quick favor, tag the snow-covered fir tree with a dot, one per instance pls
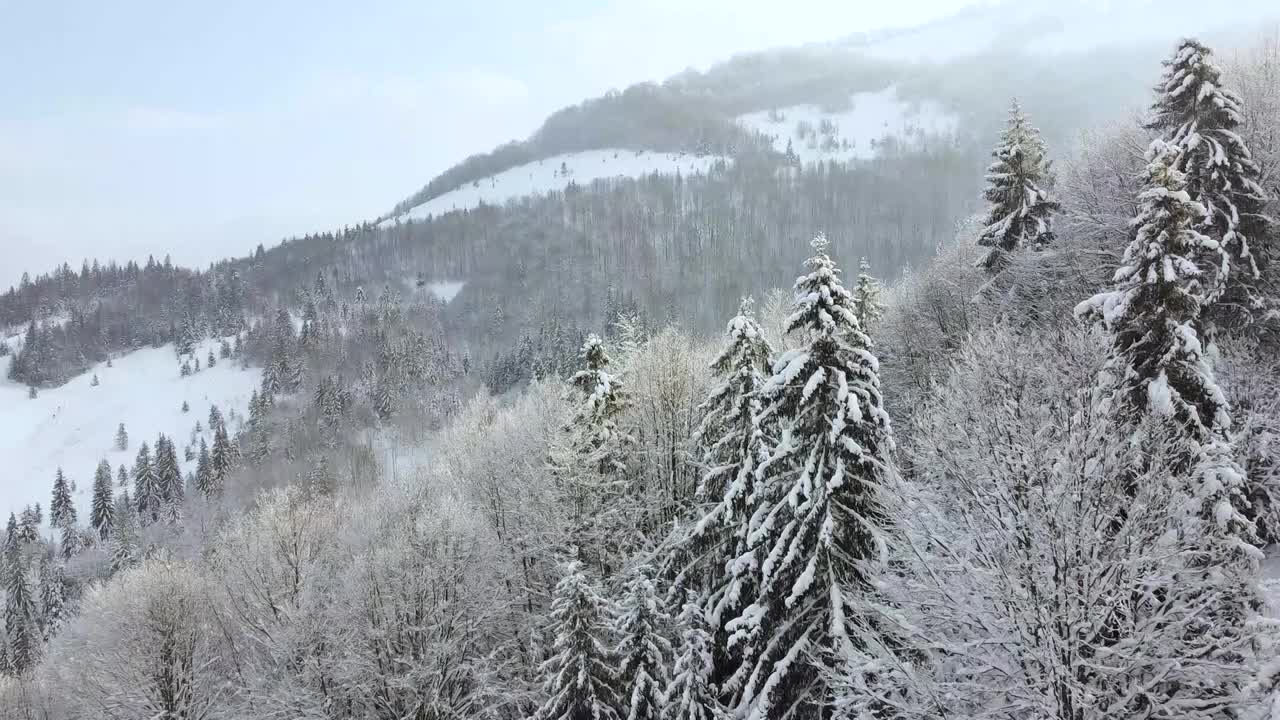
(692, 694)
(53, 597)
(169, 478)
(1196, 112)
(122, 477)
(20, 611)
(642, 649)
(590, 461)
(732, 446)
(1159, 363)
(821, 530)
(146, 487)
(122, 438)
(1020, 213)
(1160, 376)
(580, 681)
(62, 511)
(868, 304)
(125, 545)
(102, 508)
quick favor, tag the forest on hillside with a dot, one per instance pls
(620, 476)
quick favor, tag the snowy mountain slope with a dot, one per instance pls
(555, 173)
(74, 426)
(816, 135)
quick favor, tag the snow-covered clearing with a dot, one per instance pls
(555, 173)
(854, 133)
(74, 426)
(446, 291)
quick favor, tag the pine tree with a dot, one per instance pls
(146, 487)
(102, 512)
(732, 447)
(53, 598)
(1159, 375)
(62, 511)
(590, 461)
(867, 303)
(1196, 112)
(692, 694)
(579, 679)
(642, 650)
(29, 528)
(122, 438)
(821, 532)
(168, 478)
(20, 617)
(202, 467)
(126, 540)
(221, 459)
(1021, 212)
(122, 478)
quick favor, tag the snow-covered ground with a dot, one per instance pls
(446, 291)
(556, 173)
(854, 133)
(74, 426)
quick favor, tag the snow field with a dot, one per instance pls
(852, 134)
(555, 173)
(74, 426)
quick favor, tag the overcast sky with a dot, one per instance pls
(202, 129)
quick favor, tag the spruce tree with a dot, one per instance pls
(732, 446)
(867, 303)
(590, 461)
(1196, 112)
(642, 650)
(692, 694)
(820, 499)
(122, 478)
(53, 598)
(20, 618)
(168, 478)
(126, 540)
(202, 467)
(221, 459)
(580, 682)
(62, 511)
(102, 511)
(146, 487)
(122, 438)
(1159, 384)
(1020, 213)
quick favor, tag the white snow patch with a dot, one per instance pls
(74, 426)
(555, 173)
(853, 134)
(446, 291)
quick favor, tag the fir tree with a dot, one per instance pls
(20, 617)
(168, 477)
(126, 540)
(146, 487)
(1021, 212)
(642, 650)
(62, 511)
(867, 303)
(692, 694)
(29, 528)
(202, 467)
(1196, 112)
(221, 459)
(102, 512)
(820, 531)
(122, 477)
(580, 682)
(1159, 375)
(591, 461)
(53, 597)
(732, 447)
(122, 438)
